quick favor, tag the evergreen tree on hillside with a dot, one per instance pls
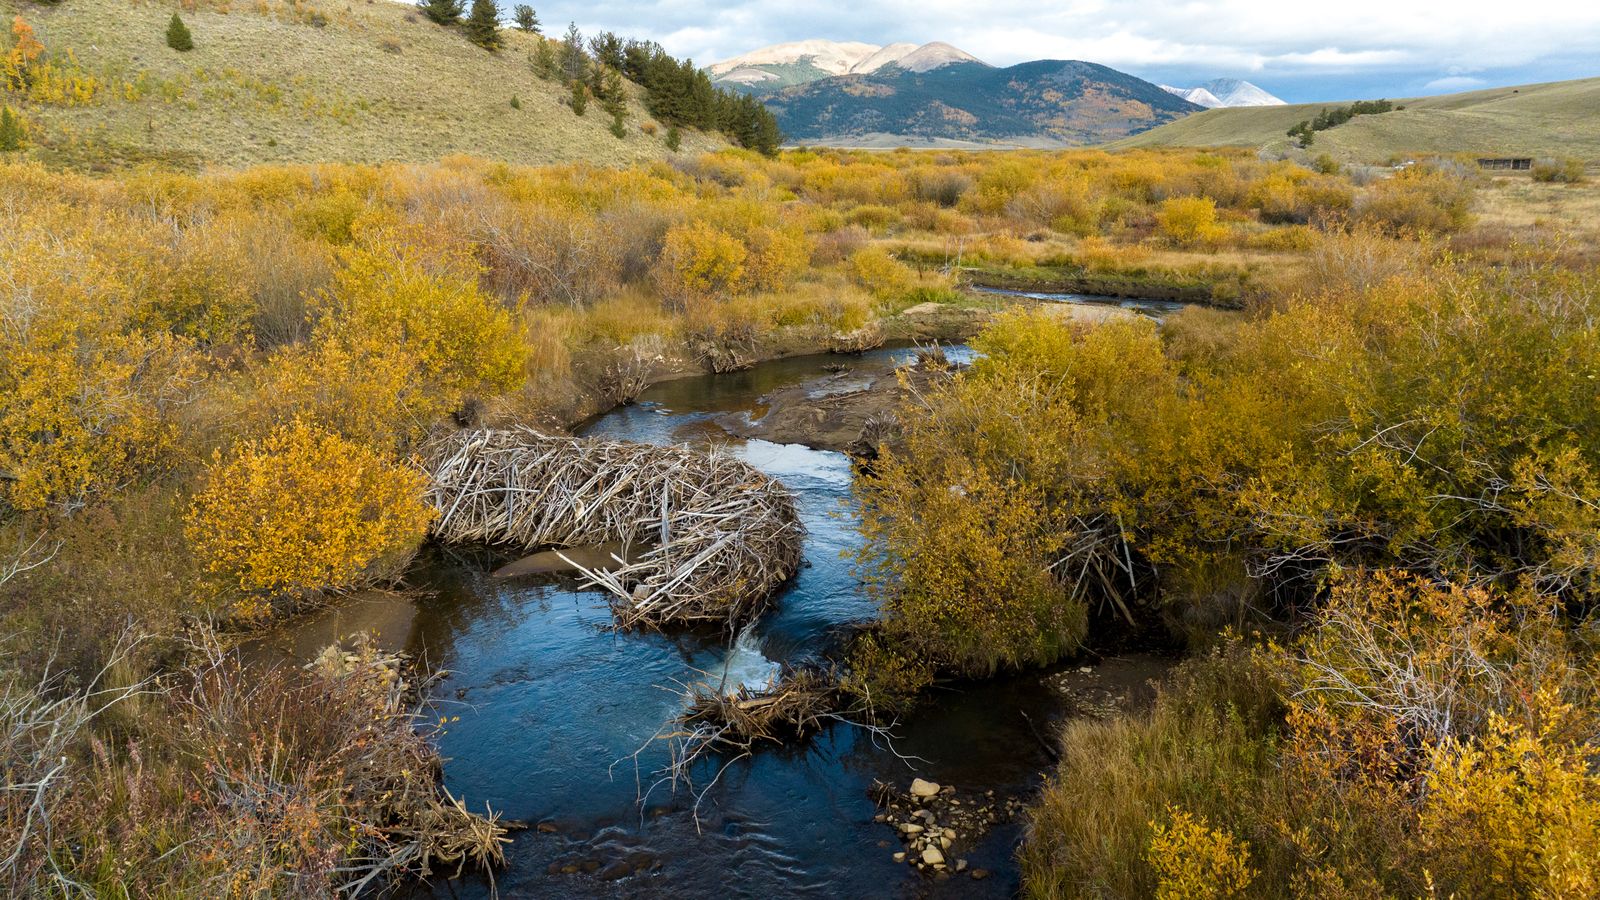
(580, 97)
(178, 36)
(607, 49)
(674, 139)
(545, 64)
(573, 59)
(613, 97)
(442, 12)
(526, 18)
(483, 25)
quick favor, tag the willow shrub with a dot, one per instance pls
(1417, 740)
(302, 513)
(997, 478)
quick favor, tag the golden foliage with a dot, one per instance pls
(1194, 861)
(304, 512)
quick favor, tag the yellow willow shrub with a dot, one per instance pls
(997, 184)
(1190, 221)
(776, 257)
(90, 402)
(303, 512)
(966, 583)
(1194, 861)
(1516, 812)
(699, 262)
(1428, 197)
(396, 347)
(881, 274)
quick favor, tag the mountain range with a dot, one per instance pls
(860, 94)
(780, 66)
(1221, 93)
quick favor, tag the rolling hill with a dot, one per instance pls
(1559, 118)
(958, 102)
(305, 81)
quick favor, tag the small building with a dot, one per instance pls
(1515, 163)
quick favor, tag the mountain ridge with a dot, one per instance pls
(1037, 103)
(779, 66)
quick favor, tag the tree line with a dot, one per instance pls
(1305, 130)
(677, 92)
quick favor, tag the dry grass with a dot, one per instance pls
(374, 82)
(1553, 119)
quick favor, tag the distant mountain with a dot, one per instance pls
(780, 66)
(1225, 92)
(940, 94)
(1198, 96)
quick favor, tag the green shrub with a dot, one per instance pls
(1561, 171)
(178, 36)
(580, 98)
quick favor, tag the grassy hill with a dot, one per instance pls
(1040, 103)
(304, 81)
(1559, 118)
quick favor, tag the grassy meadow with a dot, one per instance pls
(278, 81)
(1554, 119)
(218, 385)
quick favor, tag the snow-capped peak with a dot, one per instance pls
(1237, 92)
(1198, 96)
(833, 57)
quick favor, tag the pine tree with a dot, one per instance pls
(483, 25)
(442, 12)
(573, 59)
(11, 133)
(545, 64)
(178, 36)
(515, 103)
(580, 97)
(613, 98)
(674, 139)
(526, 18)
(617, 128)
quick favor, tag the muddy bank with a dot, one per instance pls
(852, 410)
(594, 388)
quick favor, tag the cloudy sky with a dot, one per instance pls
(1302, 51)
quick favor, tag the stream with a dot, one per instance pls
(549, 706)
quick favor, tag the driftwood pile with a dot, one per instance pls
(717, 536)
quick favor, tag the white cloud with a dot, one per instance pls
(1453, 83)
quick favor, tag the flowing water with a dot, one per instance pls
(1155, 309)
(548, 707)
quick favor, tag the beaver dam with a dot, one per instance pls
(704, 536)
(553, 708)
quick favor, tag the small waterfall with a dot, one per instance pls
(746, 666)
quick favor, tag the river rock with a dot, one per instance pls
(911, 828)
(900, 857)
(920, 788)
(931, 856)
(961, 865)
